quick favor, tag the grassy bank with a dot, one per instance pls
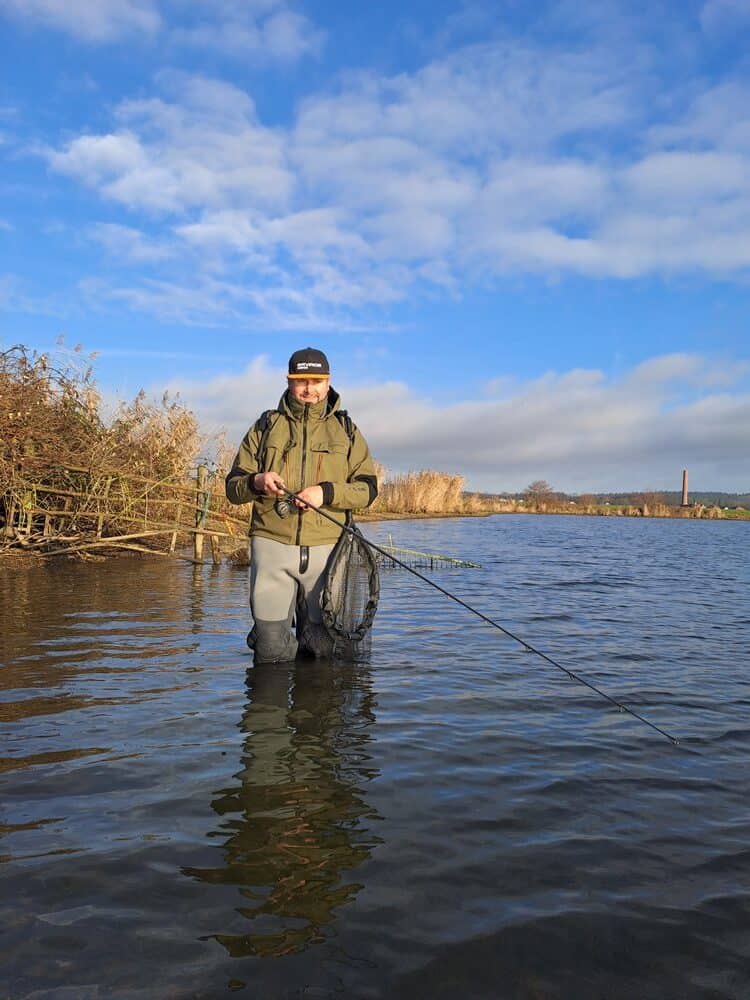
(692, 512)
(472, 509)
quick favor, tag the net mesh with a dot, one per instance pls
(350, 596)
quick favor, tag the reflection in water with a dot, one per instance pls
(294, 825)
(532, 844)
(196, 610)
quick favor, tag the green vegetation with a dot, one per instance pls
(633, 498)
(738, 514)
(540, 498)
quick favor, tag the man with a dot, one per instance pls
(310, 447)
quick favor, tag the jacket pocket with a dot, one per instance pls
(329, 461)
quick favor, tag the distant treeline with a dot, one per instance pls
(711, 498)
(671, 498)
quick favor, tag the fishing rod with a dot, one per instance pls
(572, 675)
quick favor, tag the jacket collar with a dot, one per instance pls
(315, 411)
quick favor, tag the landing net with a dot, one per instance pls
(350, 596)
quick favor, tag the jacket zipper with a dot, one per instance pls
(300, 512)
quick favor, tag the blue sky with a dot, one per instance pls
(520, 231)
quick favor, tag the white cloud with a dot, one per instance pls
(207, 303)
(15, 298)
(719, 17)
(205, 151)
(90, 20)
(287, 35)
(689, 369)
(679, 179)
(271, 31)
(500, 96)
(576, 429)
(213, 302)
(717, 119)
(125, 243)
(666, 368)
(96, 159)
(494, 160)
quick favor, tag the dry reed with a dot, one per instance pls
(68, 476)
(425, 492)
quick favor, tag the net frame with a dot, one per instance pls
(350, 558)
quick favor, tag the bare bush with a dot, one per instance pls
(66, 472)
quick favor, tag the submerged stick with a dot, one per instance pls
(532, 649)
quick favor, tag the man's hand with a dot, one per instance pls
(269, 483)
(312, 495)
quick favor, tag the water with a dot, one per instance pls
(456, 818)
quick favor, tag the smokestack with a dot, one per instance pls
(685, 488)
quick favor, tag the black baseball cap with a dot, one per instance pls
(308, 363)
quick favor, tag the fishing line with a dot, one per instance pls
(501, 628)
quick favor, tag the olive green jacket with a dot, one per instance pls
(307, 446)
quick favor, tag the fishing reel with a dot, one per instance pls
(284, 506)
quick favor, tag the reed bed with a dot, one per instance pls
(73, 480)
(425, 492)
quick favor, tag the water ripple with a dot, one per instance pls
(456, 817)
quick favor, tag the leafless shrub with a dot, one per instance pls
(66, 472)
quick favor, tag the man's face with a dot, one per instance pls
(308, 390)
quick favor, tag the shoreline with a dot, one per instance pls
(13, 557)
(399, 516)
(688, 515)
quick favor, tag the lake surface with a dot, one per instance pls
(454, 819)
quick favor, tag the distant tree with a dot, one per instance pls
(538, 492)
(649, 498)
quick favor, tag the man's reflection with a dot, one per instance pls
(296, 823)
